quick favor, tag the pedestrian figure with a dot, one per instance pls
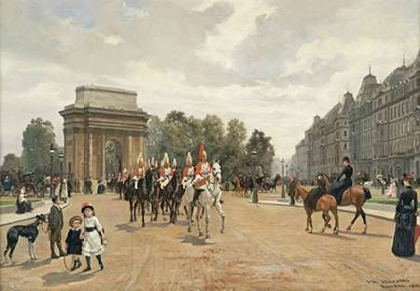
(69, 186)
(406, 221)
(74, 242)
(93, 236)
(23, 205)
(55, 224)
(88, 185)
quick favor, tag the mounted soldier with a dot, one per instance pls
(165, 172)
(188, 172)
(139, 170)
(202, 173)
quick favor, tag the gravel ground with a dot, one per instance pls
(263, 248)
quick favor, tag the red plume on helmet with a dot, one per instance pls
(201, 151)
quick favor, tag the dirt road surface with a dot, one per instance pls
(263, 248)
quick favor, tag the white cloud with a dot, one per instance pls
(227, 36)
(273, 64)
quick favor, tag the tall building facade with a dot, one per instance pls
(379, 130)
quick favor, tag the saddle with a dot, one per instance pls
(337, 190)
(313, 197)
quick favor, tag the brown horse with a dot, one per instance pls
(357, 196)
(325, 203)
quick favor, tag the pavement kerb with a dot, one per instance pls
(385, 215)
(32, 216)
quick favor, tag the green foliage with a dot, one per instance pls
(37, 139)
(265, 150)
(178, 134)
(11, 163)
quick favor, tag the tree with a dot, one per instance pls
(154, 137)
(37, 140)
(213, 132)
(11, 163)
(265, 150)
(234, 148)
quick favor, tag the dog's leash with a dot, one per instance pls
(43, 229)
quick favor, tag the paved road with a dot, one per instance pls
(264, 248)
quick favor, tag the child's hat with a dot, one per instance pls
(87, 205)
(75, 218)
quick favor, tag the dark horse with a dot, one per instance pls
(145, 194)
(131, 197)
(168, 196)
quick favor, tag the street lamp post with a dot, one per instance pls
(283, 180)
(254, 181)
(61, 156)
(52, 151)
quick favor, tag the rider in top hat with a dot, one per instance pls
(188, 172)
(345, 183)
(202, 173)
(165, 172)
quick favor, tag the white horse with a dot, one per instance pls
(209, 197)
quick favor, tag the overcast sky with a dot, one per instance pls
(273, 64)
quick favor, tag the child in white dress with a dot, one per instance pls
(93, 236)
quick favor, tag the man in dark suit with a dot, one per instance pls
(55, 220)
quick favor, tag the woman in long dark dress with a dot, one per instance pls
(406, 221)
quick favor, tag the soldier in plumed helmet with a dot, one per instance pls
(202, 173)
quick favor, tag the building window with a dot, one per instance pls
(345, 146)
(345, 133)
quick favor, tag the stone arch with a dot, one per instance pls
(99, 115)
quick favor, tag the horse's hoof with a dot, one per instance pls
(221, 231)
(336, 232)
(329, 225)
(144, 224)
(200, 234)
(189, 229)
(348, 228)
(208, 235)
(364, 232)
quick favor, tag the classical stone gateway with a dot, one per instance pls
(104, 132)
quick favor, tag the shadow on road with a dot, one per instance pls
(415, 258)
(56, 278)
(368, 234)
(29, 265)
(26, 265)
(196, 241)
(128, 228)
(330, 235)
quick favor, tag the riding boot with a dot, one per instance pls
(99, 258)
(88, 268)
(62, 253)
(53, 254)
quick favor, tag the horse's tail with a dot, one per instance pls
(368, 195)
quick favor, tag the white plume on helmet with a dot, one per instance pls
(140, 159)
(189, 158)
(166, 159)
(174, 163)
